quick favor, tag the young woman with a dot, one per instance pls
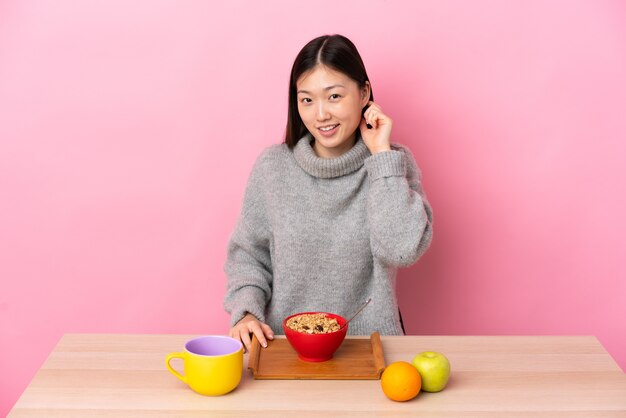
(329, 215)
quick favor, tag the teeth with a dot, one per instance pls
(328, 128)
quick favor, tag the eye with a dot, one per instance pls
(334, 96)
(305, 100)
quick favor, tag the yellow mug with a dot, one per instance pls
(213, 364)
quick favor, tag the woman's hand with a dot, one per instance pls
(249, 324)
(377, 138)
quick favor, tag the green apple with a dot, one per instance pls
(434, 368)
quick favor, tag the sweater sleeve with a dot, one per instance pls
(248, 264)
(399, 215)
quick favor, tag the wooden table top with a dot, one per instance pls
(492, 376)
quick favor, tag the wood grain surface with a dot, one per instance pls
(492, 376)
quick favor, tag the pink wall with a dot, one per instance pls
(128, 129)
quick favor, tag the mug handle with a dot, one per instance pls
(171, 356)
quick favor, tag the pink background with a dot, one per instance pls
(128, 130)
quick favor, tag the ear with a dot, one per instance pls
(365, 93)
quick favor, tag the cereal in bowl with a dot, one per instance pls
(317, 323)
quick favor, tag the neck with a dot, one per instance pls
(327, 168)
(334, 152)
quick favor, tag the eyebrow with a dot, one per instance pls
(325, 88)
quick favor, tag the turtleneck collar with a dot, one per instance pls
(327, 168)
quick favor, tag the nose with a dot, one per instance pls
(322, 112)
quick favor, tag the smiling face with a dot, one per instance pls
(330, 105)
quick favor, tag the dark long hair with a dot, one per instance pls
(334, 51)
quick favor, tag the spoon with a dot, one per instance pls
(357, 312)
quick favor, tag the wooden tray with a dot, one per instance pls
(357, 358)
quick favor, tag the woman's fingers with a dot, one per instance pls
(374, 119)
(255, 328)
(267, 330)
(376, 128)
(372, 114)
(244, 335)
(248, 326)
(363, 125)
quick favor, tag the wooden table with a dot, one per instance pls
(125, 376)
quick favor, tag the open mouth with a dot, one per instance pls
(328, 130)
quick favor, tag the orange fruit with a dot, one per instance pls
(401, 381)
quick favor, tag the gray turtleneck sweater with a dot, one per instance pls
(325, 235)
